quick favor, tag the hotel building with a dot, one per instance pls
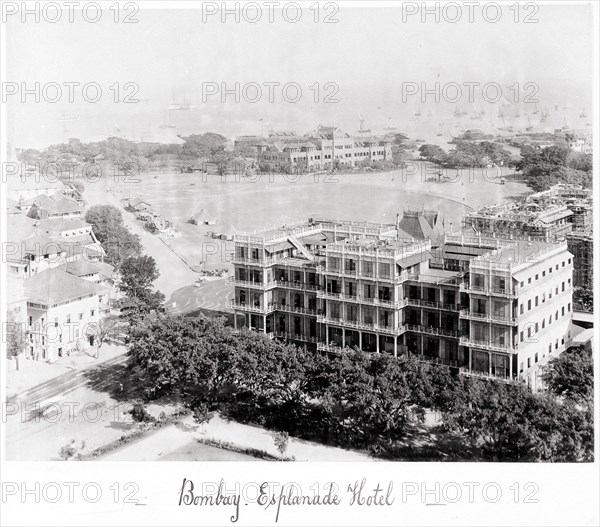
(487, 307)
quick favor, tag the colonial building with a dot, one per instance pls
(484, 306)
(321, 149)
(62, 314)
(36, 245)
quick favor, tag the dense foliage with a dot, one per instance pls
(137, 275)
(117, 240)
(466, 154)
(545, 167)
(353, 399)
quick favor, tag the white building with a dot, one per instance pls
(62, 314)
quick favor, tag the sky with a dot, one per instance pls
(363, 63)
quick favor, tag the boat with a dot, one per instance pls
(529, 127)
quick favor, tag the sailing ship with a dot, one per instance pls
(529, 126)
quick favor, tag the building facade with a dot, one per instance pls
(484, 306)
(321, 150)
(62, 314)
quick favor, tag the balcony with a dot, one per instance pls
(440, 360)
(488, 317)
(357, 275)
(416, 302)
(430, 330)
(367, 326)
(487, 345)
(290, 335)
(232, 280)
(504, 377)
(232, 304)
(486, 290)
(300, 286)
(358, 299)
(259, 262)
(288, 308)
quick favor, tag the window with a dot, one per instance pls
(537, 327)
(556, 316)
(521, 368)
(543, 297)
(537, 276)
(536, 356)
(569, 261)
(521, 284)
(563, 264)
(543, 273)
(529, 305)
(556, 344)
(529, 362)
(529, 332)
(550, 270)
(562, 311)
(562, 340)
(30, 320)
(543, 323)
(569, 306)
(521, 309)
(80, 316)
(529, 280)
(537, 301)
(557, 267)
(563, 287)
(92, 311)
(549, 348)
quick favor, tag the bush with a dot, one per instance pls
(140, 414)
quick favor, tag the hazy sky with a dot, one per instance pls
(368, 54)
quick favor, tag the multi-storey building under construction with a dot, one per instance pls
(489, 307)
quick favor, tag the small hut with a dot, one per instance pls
(202, 217)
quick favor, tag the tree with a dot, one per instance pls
(571, 375)
(136, 278)
(16, 338)
(544, 167)
(433, 153)
(281, 441)
(583, 297)
(118, 242)
(102, 330)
